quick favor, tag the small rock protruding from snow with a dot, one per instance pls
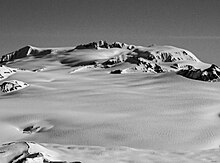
(12, 86)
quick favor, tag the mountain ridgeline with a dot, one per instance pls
(121, 58)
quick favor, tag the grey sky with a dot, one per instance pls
(190, 24)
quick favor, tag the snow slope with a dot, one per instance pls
(101, 102)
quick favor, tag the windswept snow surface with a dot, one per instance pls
(155, 100)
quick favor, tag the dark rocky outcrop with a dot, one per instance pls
(151, 67)
(115, 60)
(141, 65)
(12, 86)
(210, 74)
(93, 45)
(167, 57)
(31, 129)
(37, 127)
(21, 53)
(175, 66)
(144, 54)
(24, 52)
(104, 44)
(116, 72)
(40, 54)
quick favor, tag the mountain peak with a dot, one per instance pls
(105, 45)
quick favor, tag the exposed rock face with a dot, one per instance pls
(104, 44)
(210, 74)
(37, 127)
(40, 54)
(21, 53)
(12, 86)
(150, 66)
(24, 52)
(115, 60)
(141, 64)
(93, 45)
(116, 72)
(144, 54)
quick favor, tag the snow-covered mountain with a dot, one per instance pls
(122, 58)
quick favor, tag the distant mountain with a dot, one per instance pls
(24, 52)
(122, 58)
(104, 44)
